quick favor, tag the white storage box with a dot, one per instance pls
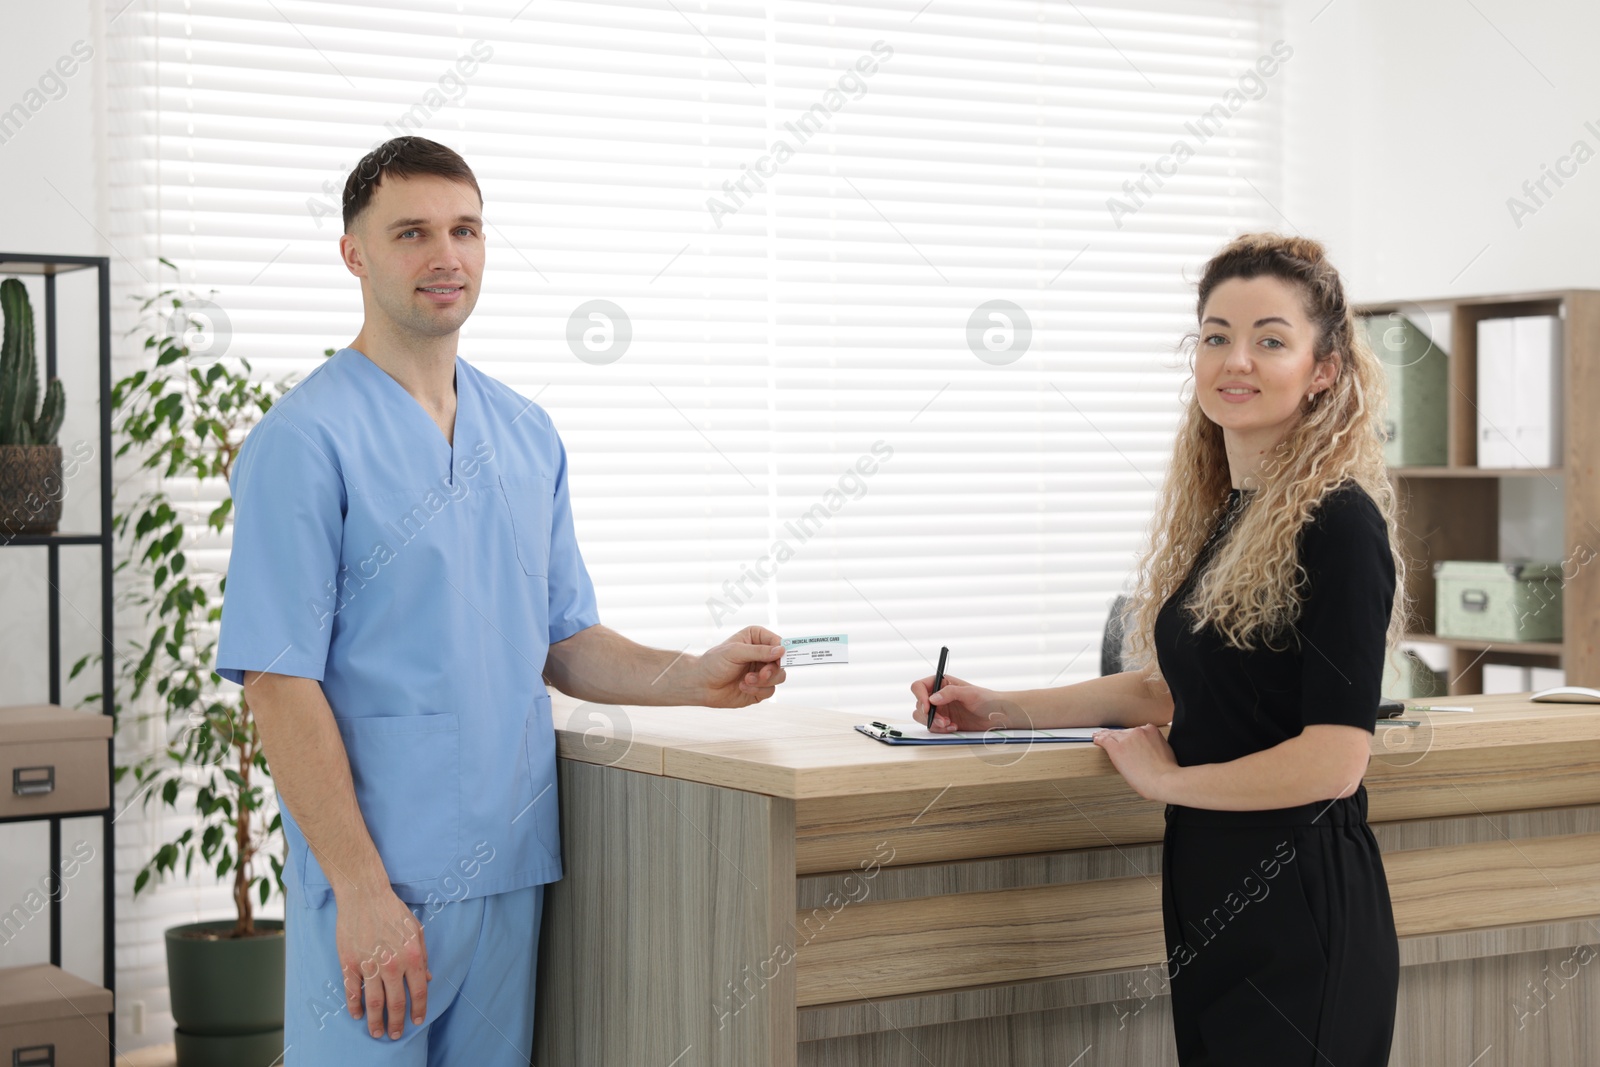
(1506, 678)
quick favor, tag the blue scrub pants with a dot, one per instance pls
(483, 952)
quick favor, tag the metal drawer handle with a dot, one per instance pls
(32, 782)
(34, 1056)
(1475, 600)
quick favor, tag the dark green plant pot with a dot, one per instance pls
(231, 1050)
(227, 994)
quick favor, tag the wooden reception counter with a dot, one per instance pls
(769, 887)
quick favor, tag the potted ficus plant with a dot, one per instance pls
(185, 415)
(30, 460)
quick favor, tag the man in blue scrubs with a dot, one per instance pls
(404, 581)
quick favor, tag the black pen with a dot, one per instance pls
(938, 681)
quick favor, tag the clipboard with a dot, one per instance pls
(890, 736)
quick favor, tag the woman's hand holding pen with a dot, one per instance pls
(1142, 756)
(959, 705)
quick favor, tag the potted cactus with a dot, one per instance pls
(31, 485)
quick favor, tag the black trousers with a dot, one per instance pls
(1280, 937)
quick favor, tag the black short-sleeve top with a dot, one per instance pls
(1328, 668)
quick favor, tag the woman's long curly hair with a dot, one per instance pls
(1253, 588)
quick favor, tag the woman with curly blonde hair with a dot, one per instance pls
(1266, 601)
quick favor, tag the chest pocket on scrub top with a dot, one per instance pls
(529, 500)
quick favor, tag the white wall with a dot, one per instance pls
(1411, 124)
(51, 183)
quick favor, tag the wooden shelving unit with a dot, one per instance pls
(1529, 651)
(1453, 512)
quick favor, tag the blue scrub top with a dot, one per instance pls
(422, 585)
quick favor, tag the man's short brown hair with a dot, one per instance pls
(403, 157)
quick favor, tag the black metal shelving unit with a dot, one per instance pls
(51, 266)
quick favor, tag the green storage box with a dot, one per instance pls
(1498, 601)
(1418, 376)
(1407, 677)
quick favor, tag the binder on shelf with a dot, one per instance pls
(1519, 392)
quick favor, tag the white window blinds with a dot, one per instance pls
(801, 217)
